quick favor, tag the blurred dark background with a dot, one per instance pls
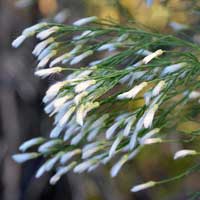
(22, 117)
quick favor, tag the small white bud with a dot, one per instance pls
(194, 95)
(152, 141)
(30, 30)
(156, 91)
(148, 119)
(131, 94)
(183, 153)
(116, 168)
(172, 68)
(144, 186)
(85, 21)
(41, 46)
(46, 33)
(148, 58)
(23, 157)
(80, 57)
(18, 41)
(47, 72)
(78, 98)
(30, 143)
(84, 85)
(67, 116)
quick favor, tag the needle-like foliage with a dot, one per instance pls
(122, 88)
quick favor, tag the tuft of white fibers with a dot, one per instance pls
(82, 86)
(85, 21)
(152, 141)
(56, 131)
(46, 33)
(67, 116)
(158, 88)
(115, 144)
(53, 91)
(83, 110)
(59, 59)
(47, 146)
(32, 29)
(143, 186)
(172, 68)
(153, 55)
(30, 143)
(46, 59)
(131, 94)
(23, 157)
(69, 155)
(183, 153)
(148, 118)
(42, 45)
(116, 168)
(18, 41)
(83, 166)
(194, 95)
(78, 98)
(60, 172)
(49, 108)
(47, 72)
(80, 57)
